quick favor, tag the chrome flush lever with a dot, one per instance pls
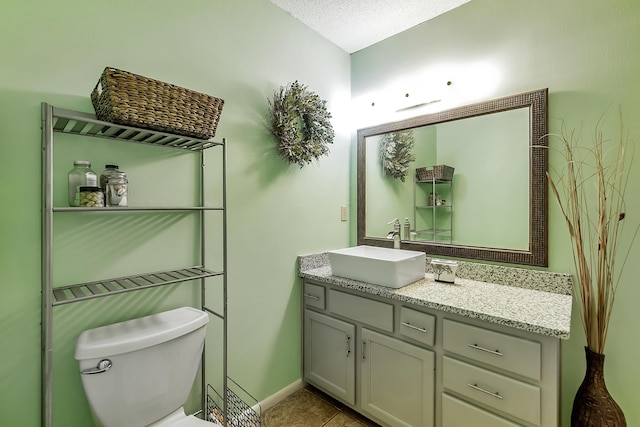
(103, 366)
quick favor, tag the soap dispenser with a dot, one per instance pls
(395, 234)
(407, 229)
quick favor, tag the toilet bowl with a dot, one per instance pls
(139, 372)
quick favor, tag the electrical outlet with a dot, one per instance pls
(344, 212)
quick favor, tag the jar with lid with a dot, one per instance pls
(90, 197)
(80, 175)
(114, 184)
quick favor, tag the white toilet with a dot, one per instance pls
(139, 372)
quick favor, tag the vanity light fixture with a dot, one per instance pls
(422, 104)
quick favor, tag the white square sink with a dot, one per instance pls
(393, 268)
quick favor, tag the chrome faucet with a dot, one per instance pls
(395, 234)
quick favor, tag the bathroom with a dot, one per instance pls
(241, 51)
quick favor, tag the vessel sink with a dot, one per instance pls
(393, 268)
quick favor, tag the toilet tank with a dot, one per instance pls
(154, 361)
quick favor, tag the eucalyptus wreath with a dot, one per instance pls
(300, 121)
(396, 152)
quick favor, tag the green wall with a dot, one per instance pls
(586, 53)
(239, 50)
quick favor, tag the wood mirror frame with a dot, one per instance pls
(536, 255)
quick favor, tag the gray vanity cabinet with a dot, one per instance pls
(404, 365)
(354, 350)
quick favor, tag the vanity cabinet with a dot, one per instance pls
(403, 364)
(352, 353)
(433, 209)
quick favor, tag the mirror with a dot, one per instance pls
(494, 207)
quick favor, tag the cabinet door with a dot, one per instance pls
(329, 359)
(396, 381)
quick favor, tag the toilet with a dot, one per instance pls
(140, 372)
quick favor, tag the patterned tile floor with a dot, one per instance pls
(310, 407)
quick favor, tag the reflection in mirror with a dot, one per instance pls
(493, 208)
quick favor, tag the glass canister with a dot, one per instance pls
(434, 200)
(90, 197)
(80, 175)
(114, 184)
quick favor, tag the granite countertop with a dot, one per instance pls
(537, 301)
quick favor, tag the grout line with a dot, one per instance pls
(329, 420)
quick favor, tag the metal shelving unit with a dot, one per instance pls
(433, 233)
(58, 120)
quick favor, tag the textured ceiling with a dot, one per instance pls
(356, 24)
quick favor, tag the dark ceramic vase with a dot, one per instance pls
(593, 406)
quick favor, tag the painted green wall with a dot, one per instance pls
(586, 53)
(491, 158)
(490, 155)
(239, 50)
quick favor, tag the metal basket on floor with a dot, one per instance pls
(243, 410)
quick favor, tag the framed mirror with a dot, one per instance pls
(491, 203)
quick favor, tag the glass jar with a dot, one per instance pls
(434, 200)
(116, 191)
(80, 175)
(114, 184)
(90, 197)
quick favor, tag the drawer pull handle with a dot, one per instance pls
(475, 387)
(348, 346)
(409, 325)
(486, 350)
(364, 350)
(312, 297)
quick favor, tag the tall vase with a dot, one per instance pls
(593, 406)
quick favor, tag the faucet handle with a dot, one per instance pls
(394, 222)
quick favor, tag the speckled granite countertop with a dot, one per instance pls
(531, 300)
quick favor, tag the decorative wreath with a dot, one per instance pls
(300, 120)
(396, 152)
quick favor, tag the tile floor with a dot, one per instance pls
(309, 407)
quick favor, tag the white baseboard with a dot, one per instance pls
(281, 394)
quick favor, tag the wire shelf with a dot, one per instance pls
(78, 123)
(90, 290)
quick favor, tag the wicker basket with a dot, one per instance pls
(437, 173)
(129, 99)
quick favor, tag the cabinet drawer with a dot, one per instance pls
(313, 295)
(373, 313)
(417, 325)
(494, 390)
(456, 413)
(513, 354)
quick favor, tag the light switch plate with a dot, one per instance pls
(344, 212)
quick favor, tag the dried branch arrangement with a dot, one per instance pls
(590, 190)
